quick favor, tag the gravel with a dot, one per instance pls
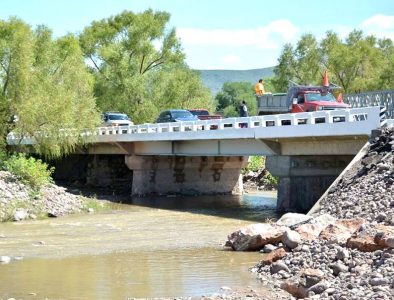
(365, 191)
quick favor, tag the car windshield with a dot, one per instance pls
(181, 114)
(117, 117)
(320, 97)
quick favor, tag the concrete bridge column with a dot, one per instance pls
(186, 174)
(303, 179)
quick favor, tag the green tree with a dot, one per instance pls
(358, 63)
(386, 78)
(355, 64)
(285, 70)
(299, 64)
(45, 83)
(307, 60)
(231, 96)
(138, 65)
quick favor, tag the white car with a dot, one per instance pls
(116, 119)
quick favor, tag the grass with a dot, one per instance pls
(96, 205)
(9, 211)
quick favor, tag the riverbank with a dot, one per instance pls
(19, 202)
(261, 180)
(345, 250)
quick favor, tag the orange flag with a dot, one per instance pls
(325, 79)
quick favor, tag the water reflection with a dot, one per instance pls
(252, 207)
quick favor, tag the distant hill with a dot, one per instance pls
(214, 79)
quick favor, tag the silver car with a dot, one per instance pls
(116, 119)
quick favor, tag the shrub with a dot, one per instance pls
(31, 171)
(272, 180)
(3, 158)
(255, 164)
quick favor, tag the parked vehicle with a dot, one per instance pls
(301, 98)
(203, 114)
(175, 115)
(116, 119)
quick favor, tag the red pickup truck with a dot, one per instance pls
(203, 114)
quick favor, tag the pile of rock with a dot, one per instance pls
(367, 191)
(346, 249)
(19, 202)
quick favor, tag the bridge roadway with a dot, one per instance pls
(307, 151)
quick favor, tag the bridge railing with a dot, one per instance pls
(376, 98)
(319, 117)
(369, 116)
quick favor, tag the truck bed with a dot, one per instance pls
(209, 117)
(203, 114)
(272, 104)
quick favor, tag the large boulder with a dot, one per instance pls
(20, 214)
(291, 239)
(279, 266)
(292, 219)
(5, 259)
(273, 256)
(363, 242)
(311, 230)
(384, 236)
(306, 281)
(255, 237)
(341, 230)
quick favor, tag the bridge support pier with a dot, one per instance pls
(303, 179)
(186, 174)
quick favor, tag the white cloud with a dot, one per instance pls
(231, 58)
(380, 26)
(380, 21)
(271, 36)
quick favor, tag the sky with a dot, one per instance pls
(217, 34)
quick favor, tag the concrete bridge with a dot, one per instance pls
(306, 151)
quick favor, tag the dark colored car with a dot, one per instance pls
(175, 115)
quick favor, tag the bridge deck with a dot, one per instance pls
(299, 134)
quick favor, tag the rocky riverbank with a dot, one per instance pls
(345, 250)
(260, 180)
(19, 202)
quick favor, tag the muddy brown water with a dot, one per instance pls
(161, 247)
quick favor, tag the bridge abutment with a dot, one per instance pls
(303, 179)
(104, 171)
(186, 174)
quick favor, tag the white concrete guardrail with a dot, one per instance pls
(348, 122)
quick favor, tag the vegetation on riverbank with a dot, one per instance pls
(27, 192)
(257, 177)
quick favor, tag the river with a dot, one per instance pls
(157, 247)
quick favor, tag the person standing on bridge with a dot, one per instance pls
(259, 88)
(243, 112)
